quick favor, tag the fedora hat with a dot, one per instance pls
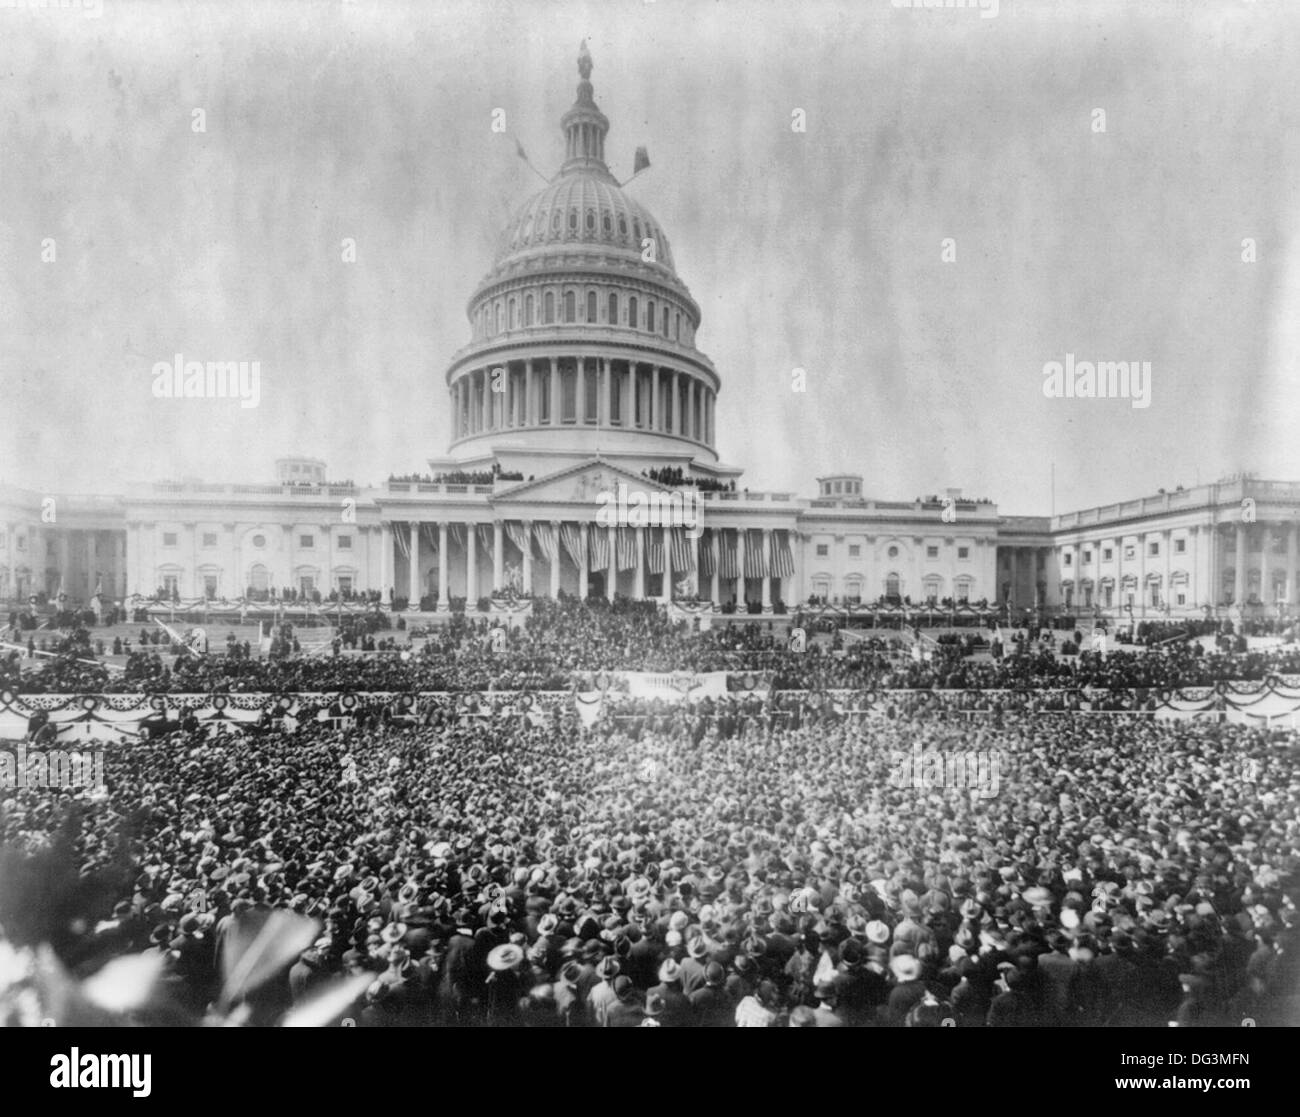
(505, 957)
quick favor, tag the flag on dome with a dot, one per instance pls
(641, 162)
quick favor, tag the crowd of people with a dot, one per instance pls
(665, 870)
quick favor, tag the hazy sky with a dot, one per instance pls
(820, 250)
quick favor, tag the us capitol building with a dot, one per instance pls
(582, 372)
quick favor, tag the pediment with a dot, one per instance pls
(577, 484)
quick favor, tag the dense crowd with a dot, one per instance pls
(560, 640)
(667, 870)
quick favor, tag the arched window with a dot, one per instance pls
(650, 315)
(633, 313)
(892, 585)
(613, 309)
(573, 220)
(606, 224)
(622, 226)
(528, 310)
(679, 325)
(591, 220)
(514, 314)
(491, 321)
(636, 230)
(548, 306)
(501, 316)
(570, 306)
(555, 221)
(591, 306)
(664, 316)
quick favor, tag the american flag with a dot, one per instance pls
(683, 551)
(655, 547)
(598, 545)
(707, 542)
(627, 548)
(755, 560)
(782, 559)
(727, 558)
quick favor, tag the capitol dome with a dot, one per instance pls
(583, 335)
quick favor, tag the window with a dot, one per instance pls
(963, 552)
(622, 225)
(307, 584)
(259, 540)
(306, 542)
(169, 539)
(855, 550)
(613, 310)
(1087, 557)
(591, 306)
(1182, 598)
(932, 552)
(209, 538)
(963, 592)
(548, 307)
(1180, 547)
(1153, 549)
(679, 325)
(514, 314)
(606, 224)
(633, 313)
(258, 578)
(591, 220)
(570, 306)
(1106, 555)
(892, 586)
(528, 310)
(344, 542)
(172, 584)
(823, 549)
(345, 584)
(209, 586)
(1069, 559)
(893, 552)
(1129, 552)
(573, 220)
(650, 315)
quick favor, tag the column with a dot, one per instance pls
(413, 574)
(528, 556)
(653, 418)
(611, 572)
(385, 559)
(674, 415)
(471, 568)
(1119, 574)
(1239, 578)
(1142, 573)
(556, 407)
(740, 570)
(690, 407)
(498, 559)
(555, 562)
(580, 392)
(486, 405)
(530, 400)
(639, 591)
(1013, 562)
(607, 398)
(1194, 575)
(582, 564)
(716, 592)
(1166, 544)
(444, 601)
(1266, 539)
(767, 580)
(629, 397)
(1291, 542)
(666, 590)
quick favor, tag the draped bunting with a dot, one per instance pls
(403, 540)
(782, 560)
(598, 545)
(519, 537)
(457, 534)
(683, 551)
(429, 533)
(572, 538)
(705, 548)
(626, 548)
(547, 542)
(755, 560)
(486, 537)
(728, 559)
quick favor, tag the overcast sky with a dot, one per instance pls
(820, 250)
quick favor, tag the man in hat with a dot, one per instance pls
(710, 1003)
(628, 1008)
(602, 996)
(677, 1011)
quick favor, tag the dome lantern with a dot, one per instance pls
(585, 126)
